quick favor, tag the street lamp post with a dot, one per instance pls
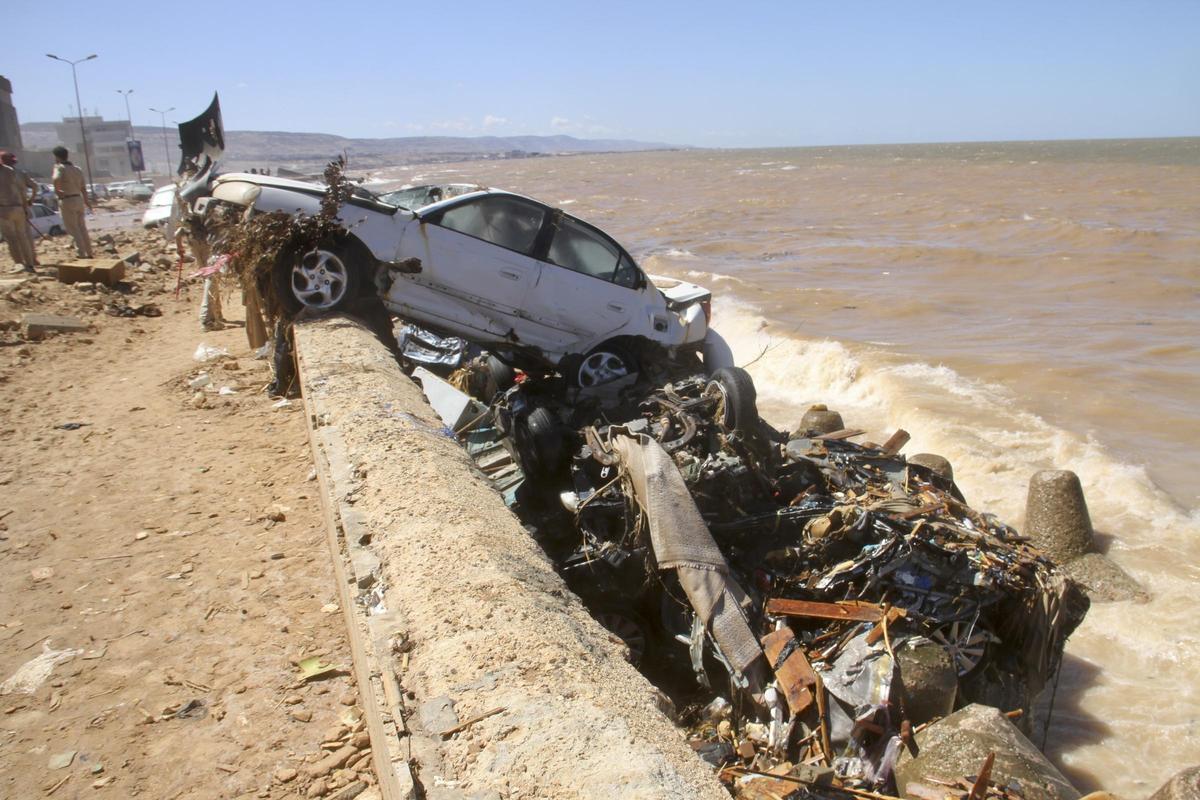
(166, 150)
(87, 159)
(129, 117)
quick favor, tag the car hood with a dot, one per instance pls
(269, 180)
(677, 291)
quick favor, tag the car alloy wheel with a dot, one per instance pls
(320, 280)
(602, 366)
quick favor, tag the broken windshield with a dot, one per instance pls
(414, 197)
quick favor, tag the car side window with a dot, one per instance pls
(509, 222)
(627, 273)
(582, 249)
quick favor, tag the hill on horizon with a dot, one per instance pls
(285, 148)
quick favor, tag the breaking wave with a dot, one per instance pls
(994, 444)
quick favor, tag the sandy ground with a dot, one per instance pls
(164, 564)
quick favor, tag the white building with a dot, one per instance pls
(106, 145)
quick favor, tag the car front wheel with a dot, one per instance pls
(605, 364)
(322, 279)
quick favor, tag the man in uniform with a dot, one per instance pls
(17, 190)
(72, 193)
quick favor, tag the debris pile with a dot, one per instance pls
(810, 603)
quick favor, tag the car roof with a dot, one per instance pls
(482, 192)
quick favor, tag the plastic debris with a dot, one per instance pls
(312, 668)
(205, 352)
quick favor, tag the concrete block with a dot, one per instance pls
(938, 465)
(35, 326)
(930, 681)
(1103, 580)
(956, 747)
(92, 270)
(1184, 786)
(819, 420)
(1056, 515)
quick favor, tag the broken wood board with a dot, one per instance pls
(850, 610)
(795, 674)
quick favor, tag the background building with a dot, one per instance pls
(106, 145)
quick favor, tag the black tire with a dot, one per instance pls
(605, 363)
(500, 377)
(323, 279)
(56, 230)
(539, 442)
(739, 399)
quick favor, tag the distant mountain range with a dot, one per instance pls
(298, 150)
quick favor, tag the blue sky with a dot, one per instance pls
(709, 74)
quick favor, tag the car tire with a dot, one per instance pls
(499, 378)
(604, 364)
(56, 230)
(323, 279)
(739, 399)
(539, 442)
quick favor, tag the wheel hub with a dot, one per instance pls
(601, 367)
(319, 280)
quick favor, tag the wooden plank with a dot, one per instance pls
(837, 436)
(850, 610)
(896, 442)
(795, 674)
(979, 789)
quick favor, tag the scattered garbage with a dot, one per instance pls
(783, 588)
(207, 352)
(312, 668)
(34, 672)
(425, 347)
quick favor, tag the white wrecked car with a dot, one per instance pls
(500, 269)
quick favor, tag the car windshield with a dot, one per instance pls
(414, 197)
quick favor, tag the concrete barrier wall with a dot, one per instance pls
(468, 614)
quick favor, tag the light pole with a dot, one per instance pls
(87, 159)
(129, 116)
(166, 150)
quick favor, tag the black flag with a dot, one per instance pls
(202, 139)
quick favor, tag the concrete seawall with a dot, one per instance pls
(456, 612)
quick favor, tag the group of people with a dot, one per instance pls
(18, 191)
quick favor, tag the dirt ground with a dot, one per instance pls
(162, 556)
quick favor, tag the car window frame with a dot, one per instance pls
(544, 252)
(540, 242)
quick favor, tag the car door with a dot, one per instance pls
(476, 258)
(589, 288)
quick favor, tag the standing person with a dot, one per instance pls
(193, 231)
(72, 193)
(14, 203)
